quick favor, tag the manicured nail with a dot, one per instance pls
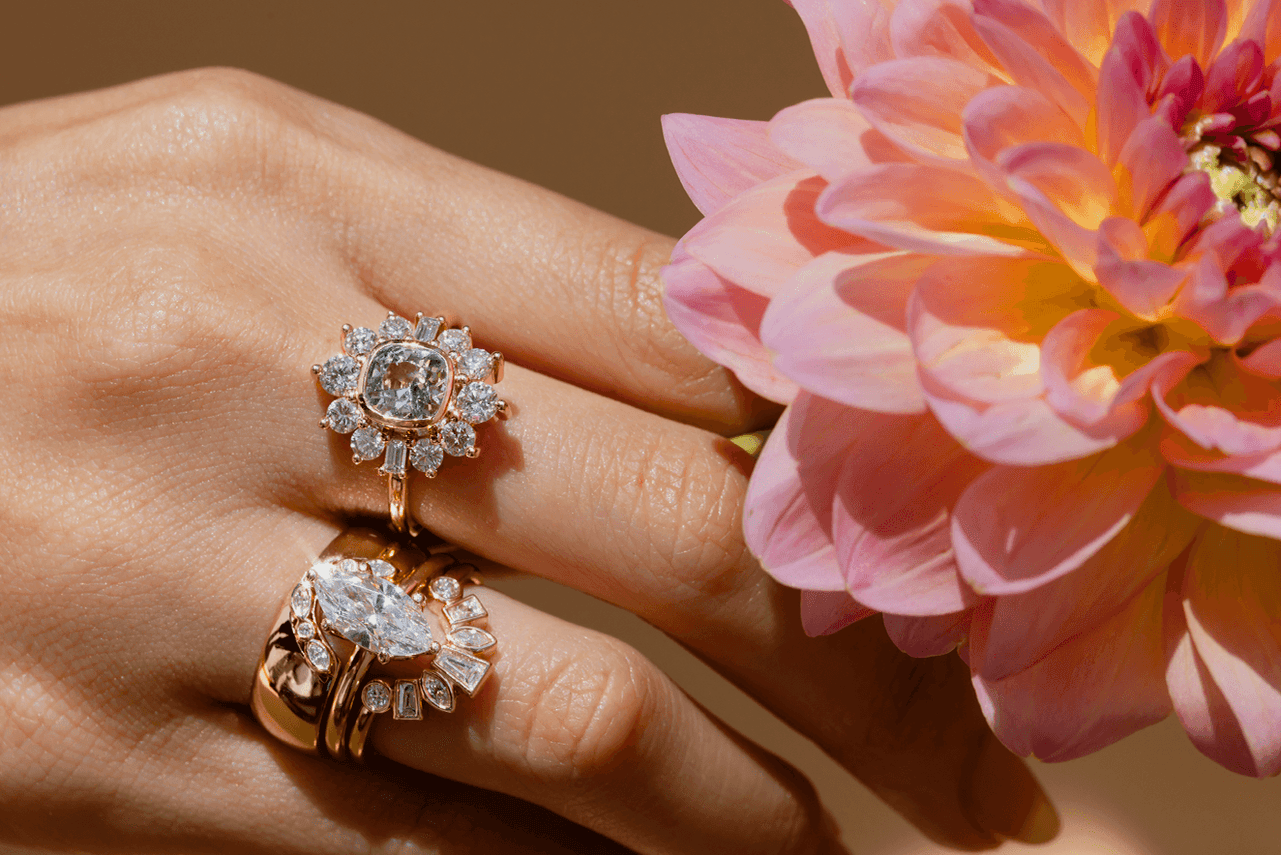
(1004, 798)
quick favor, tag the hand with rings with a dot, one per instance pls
(181, 544)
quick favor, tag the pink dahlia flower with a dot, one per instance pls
(1019, 285)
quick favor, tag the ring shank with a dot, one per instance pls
(402, 520)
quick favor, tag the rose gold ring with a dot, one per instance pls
(411, 394)
(361, 604)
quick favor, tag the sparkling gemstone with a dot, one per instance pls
(367, 443)
(426, 456)
(437, 692)
(477, 402)
(342, 415)
(318, 655)
(475, 364)
(466, 609)
(339, 374)
(382, 568)
(372, 612)
(349, 565)
(395, 462)
(427, 329)
(407, 382)
(376, 696)
(305, 630)
(300, 601)
(396, 328)
(463, 668)
(407, 701)
(472, 638)
(360, 341)
(445, 588)
(457, 438)
(454, 341)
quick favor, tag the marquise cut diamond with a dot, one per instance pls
(372, 612)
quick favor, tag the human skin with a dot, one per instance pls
(174, 256)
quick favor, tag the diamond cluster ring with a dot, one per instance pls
(369, 599)
(411, 394)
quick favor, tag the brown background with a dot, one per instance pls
(567, 93)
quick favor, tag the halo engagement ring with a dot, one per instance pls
(370, 599)
(410, 393)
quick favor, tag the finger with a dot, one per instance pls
(661, 536)
(556, 286)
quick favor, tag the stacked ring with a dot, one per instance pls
(363, 602)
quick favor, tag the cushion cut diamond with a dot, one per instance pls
(407, 382)
(371, 612)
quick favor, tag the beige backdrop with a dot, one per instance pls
(567, 93)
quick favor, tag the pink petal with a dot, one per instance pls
(762, 237)
(846, 37)
(1190, 28)
(1263, 27)
(1017, 631)
(1088, 24)
(830, 136)
(825, 612)
(1228, 314)
(716, 159)
(939, 28)
(837, 330)
(1036, 55)
(1180, 451)
(1236, 72)
(1200, 411)
(1142, 286)
(1225, 674)
(918, 102)
(1232, 501)
(1101, 686)
(1122, 103)
(1066, 191)
(890, 522)
(1150, 161)
(1006, 116)
(1265, 360)
(722, 321)
(1010, 530)
(933, 635)
(883, 203)
(1177, 213)
(787, 517)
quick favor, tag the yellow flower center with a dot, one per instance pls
(1241, 186)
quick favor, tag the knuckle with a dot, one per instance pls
(587, 712)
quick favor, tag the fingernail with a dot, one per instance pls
(1004, 798)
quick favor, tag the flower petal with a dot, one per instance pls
(1009, 529)
(1225, 675)
(837, 330)
(1141, 286)
(722, 321)
(1088, 24)
(890, 522)
(940, 28)
(1190, 28)
(1232, 501)
(1005, 116)
(716, 159)
(846, 37)
(787, 516)
(933, 635)
(825, 612)
(1101, 686)
(830, 136)
(917, 103)
(1151, 159)
(1199, 407)
(1017, 631)
(763, 236)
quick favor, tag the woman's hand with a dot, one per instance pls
(174, 256)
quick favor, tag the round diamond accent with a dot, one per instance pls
(300, 601)
(475, 364)
(360, 341)
(343, 416)
(367, 443)
(381, 568)
(339, 374)
(454, 341)
(457, 438)
(426, 457)
(318, 655)
(376, 697)
(372, 612)
(305, 630)
(477, 402)
(396, 328)
(445, 588)
(407, 382)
